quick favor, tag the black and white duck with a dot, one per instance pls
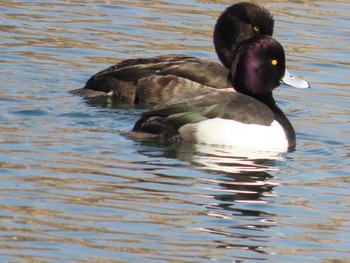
(246, 118)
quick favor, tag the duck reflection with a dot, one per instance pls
(238, 187)
(244, 174)
(242, 195)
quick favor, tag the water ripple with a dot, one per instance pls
(77, 187)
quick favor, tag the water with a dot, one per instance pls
(76, 188)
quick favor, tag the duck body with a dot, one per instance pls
(152, 80)
(215, 117)
(246, 118)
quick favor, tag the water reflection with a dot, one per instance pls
(241, 204)
(74, 189)
(240, 185)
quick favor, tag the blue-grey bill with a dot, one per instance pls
(290, 80)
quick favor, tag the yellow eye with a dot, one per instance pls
(256, 29)
(274, 62)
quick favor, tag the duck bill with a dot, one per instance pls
(290, 80)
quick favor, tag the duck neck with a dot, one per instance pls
(280, 117)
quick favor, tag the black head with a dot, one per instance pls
(237, 23)
(258, 66)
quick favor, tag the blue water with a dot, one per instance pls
(76, 188)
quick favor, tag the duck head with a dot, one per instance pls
(259, 66)
(237, 23)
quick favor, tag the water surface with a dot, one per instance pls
(76, 188)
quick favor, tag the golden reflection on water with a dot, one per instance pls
(39, 26)
(74, 189)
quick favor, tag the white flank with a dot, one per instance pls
(233, 133)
